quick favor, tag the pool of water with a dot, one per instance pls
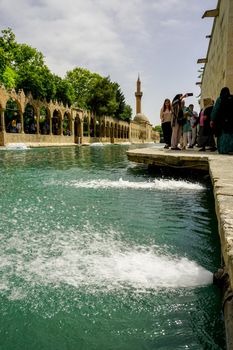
(99, 253)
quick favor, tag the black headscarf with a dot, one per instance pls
(225, 92)
(176, 98)
(176, 106)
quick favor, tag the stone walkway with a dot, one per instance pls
(220, 168)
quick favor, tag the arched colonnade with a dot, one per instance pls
(23, 115)
(24, 119)
(87, 125)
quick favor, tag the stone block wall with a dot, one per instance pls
(218, 71)
(37, 138)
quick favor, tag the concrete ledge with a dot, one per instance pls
(168, 158)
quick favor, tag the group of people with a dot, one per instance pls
(13, 126)
(211, 129)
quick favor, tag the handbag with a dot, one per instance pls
(180, 118)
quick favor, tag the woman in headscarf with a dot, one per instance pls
(222, 121)
(206, 136)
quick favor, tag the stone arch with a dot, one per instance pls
(86, 126)
(12, 116)
(78, 126)
(44, 121)
(115, 130)
(56, 122)
(92, 127)
(111, 130)
(118, 131)
(121, 132)
(126, 133)
(102, 129)
(67, 124)
(97, 127)
(107, 129)
(29, 119)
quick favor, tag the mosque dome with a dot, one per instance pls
(141, 118)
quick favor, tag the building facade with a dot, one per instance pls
(218, 63)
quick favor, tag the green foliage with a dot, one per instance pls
(64, 90)
(23, 67)
(9, 77)
(127, 113)
(98, 94)
(30, 80)
(106, 98)
(82, 81)
(8, 45)
(3, 61)
(102, 99)
(25, 54)
(158, 128)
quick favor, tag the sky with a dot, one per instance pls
(159, 40)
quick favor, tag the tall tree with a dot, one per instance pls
(8, 45)
(82, 81)
(8, 77)
(64, 91)
(102, 98)
(126, 114)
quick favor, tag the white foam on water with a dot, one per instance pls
(96, 261)
(135, 269)
(140, 270)
(161, 184)
(17, 293)
(96, 144)
(3, 286)
(16, 146)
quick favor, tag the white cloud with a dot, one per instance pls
(116, 38)
(169, 5)
(171, 22)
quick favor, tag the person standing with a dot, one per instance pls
(206, 136)
(166, 117)
(222, 121)
(186, 127)
(193, 124)
(177, 116)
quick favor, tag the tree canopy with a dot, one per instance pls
(23, 67)
(98, 94)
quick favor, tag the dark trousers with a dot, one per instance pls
(167, 132)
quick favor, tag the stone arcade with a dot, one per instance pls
(35, 122)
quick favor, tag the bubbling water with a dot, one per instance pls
(94, 260)
(161, 184)
(16, 146)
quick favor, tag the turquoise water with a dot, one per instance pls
(99, 253)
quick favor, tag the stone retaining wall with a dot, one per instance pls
(218, 70)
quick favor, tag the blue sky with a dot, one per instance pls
(159, 39)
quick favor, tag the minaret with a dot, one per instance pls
(139, 117)
(138, 95)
